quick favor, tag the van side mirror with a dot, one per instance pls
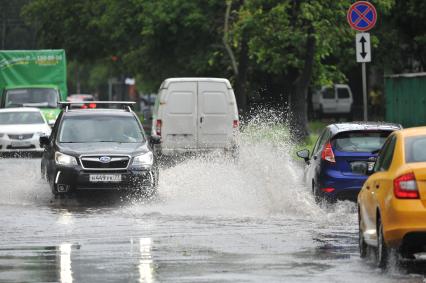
(303, 154)
(44, 141)
(154, 140)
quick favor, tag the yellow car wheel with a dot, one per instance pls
(363, 248)
(382, 252)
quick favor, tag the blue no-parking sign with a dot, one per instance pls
(362, 16)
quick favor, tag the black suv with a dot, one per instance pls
(92, 149)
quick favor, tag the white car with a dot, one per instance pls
(21, 128)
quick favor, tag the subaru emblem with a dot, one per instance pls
(21, 137)
(105, 159)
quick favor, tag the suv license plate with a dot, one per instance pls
(105, 178)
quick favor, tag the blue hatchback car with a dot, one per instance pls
(341, 158)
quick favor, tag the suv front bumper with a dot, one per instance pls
(68, 179)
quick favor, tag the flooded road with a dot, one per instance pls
(214, 220)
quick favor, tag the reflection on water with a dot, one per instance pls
(65, 263)
(65, 217)
(145, 262)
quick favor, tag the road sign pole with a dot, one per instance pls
(364, 90)
(362, 17)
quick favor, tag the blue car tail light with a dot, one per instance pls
(328, 154)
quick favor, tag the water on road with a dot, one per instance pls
(214, 220)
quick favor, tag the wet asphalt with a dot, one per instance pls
(213, 220)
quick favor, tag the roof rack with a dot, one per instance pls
(125, 104)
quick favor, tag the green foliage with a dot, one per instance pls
(167, 38)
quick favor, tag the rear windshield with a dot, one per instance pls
(360, 141)
(20, 118)
(415, 149)
(87, 129)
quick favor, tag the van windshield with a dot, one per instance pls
(360, 141)
(100, 128)
(32, 97)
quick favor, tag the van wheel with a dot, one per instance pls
(382, 251)
(320, 114)
(235, 153)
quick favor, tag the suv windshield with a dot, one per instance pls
(86, 129)
(35, 97)
(19, 118)
(415, 149)
(360, 141)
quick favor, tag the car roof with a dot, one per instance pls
(98, 112)
(19, 109)
(167, 82)
(362, 126)
(411, 132)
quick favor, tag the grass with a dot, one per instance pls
(278, 134)
(315, 128)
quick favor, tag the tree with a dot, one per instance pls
(14, 33)
(278, 48)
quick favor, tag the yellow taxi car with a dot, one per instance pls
(392, 202)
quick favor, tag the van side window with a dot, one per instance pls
(343, 93)
(328, 93)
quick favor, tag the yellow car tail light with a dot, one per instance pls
(405, 187)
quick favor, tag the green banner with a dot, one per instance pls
(32, 68)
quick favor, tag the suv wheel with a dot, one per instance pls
(53, 188)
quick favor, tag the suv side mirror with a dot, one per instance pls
(154, 140)
(303, 154)
(44, 141)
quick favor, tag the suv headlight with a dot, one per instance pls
(64, 159)
(145, 159)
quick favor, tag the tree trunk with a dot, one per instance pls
(241, 79)
(3, 26)
(240, 68)
(298, 97)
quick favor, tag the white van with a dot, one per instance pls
(195, 114)
(336, 99)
